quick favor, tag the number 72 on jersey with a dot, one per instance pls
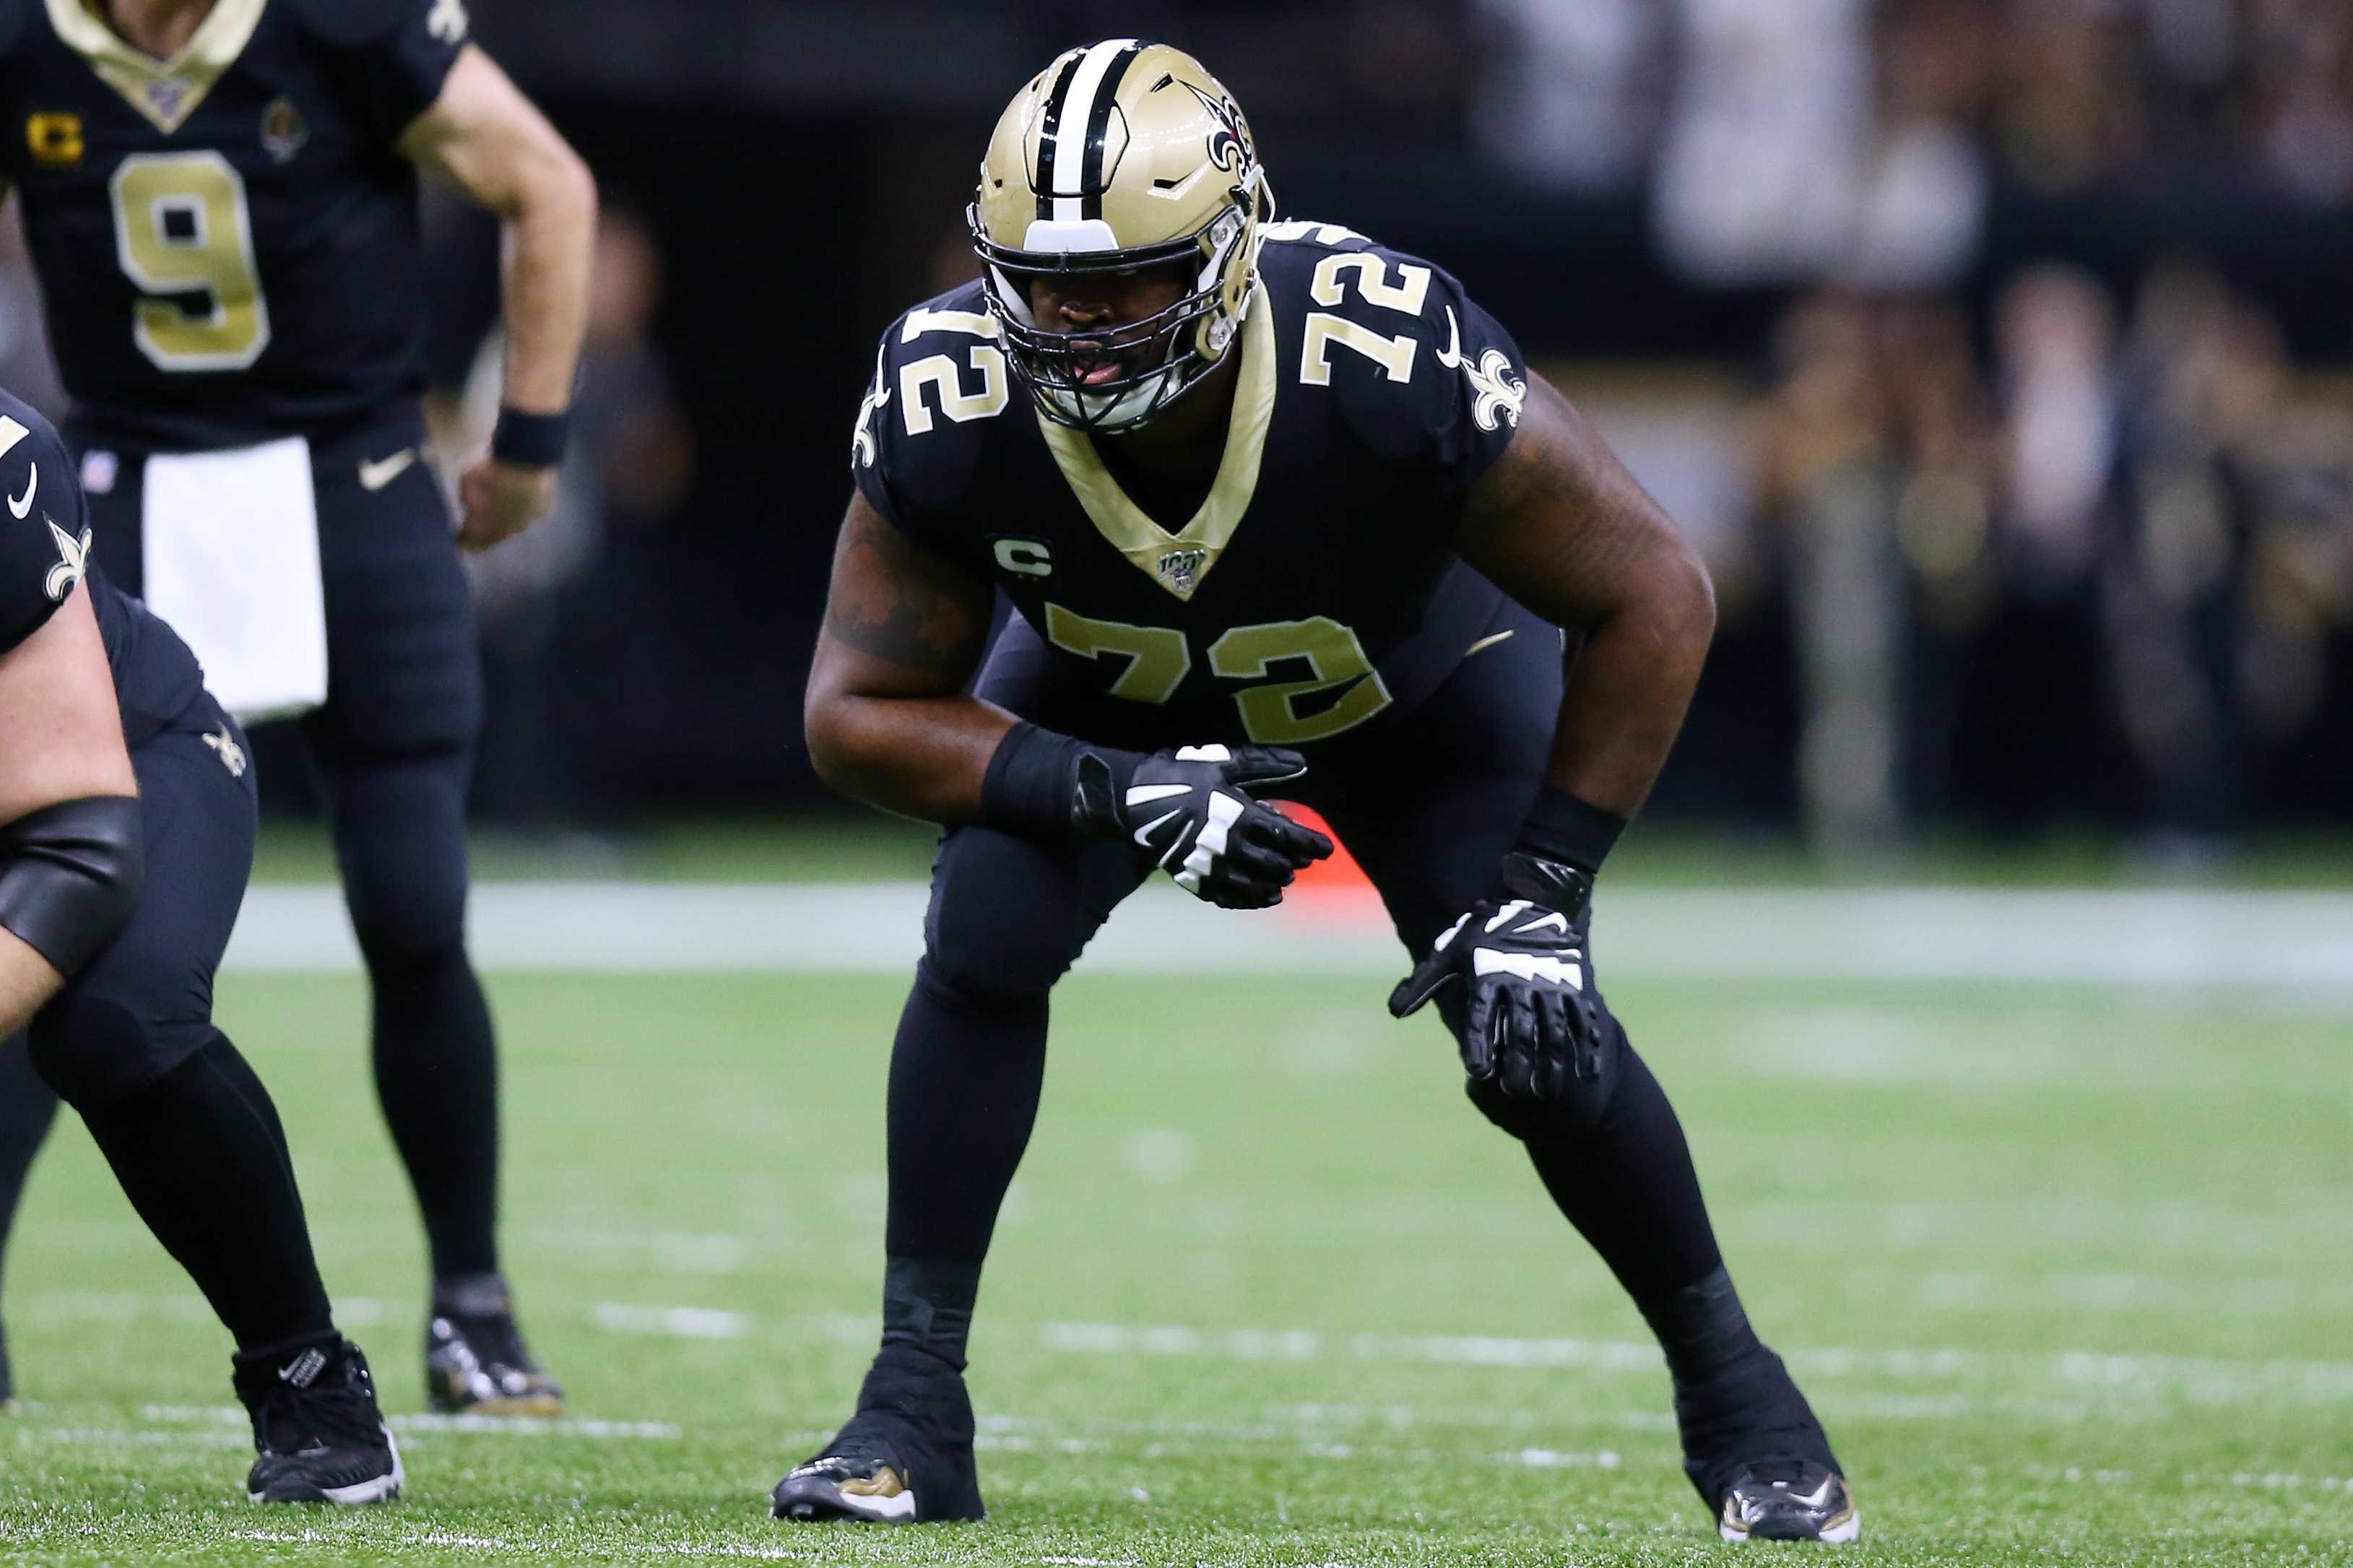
(1342, 689)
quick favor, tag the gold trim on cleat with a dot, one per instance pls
(884, 1482)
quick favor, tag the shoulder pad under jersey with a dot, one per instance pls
(1418, 370)
(942, 385)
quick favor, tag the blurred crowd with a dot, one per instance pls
(1789, 139)
(2139, 511)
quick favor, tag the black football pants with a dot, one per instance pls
(130, 1042)
(1428, 803)
(391, 751)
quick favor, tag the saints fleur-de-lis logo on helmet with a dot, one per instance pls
(73, 561)
(1229, 140)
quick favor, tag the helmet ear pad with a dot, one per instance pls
(1230, 264)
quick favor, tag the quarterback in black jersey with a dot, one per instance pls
(1275, 505)
(126, 836)
(221, 199)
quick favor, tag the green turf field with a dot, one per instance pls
(859, 846)
(2068, 1275)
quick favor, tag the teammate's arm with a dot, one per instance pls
(888, 720)
(1560, 525)
(64, 779)
(483, 135)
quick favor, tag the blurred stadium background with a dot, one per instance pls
(1998, 353)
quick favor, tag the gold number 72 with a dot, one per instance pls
(1159, 658)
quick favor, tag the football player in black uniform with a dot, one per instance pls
(126, 834)
(1275, 505)
(221, 198)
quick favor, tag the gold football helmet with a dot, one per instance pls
(1119, 156)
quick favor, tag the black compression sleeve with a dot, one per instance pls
(1032, 787)
(70, 876)
(1561, 828)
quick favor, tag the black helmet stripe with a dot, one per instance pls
(1049, 133)
(1070, 136)
(1093, 177)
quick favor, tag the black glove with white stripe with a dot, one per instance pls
(1189, 812)
(1533, 1014)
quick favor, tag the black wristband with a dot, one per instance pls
(1561, 828)
(1032, 784)
(530, 440)
(70, 877)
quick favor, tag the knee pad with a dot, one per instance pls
(995, 957)
(94, 1050)
(974, 995)
(392, 966)
(1573, 1112)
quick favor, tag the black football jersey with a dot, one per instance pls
(1316, 587)
(228, 242)
(45, 552)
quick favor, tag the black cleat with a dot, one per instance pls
(316, 1428)
(856, 1476)
(1788, 1500)
(475, 1361)
(904, 1458)
(1759, 1458)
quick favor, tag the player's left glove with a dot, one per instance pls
(1189, 812)
(1533, 1013)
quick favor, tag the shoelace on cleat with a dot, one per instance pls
(335, 1411)
(851, 1455)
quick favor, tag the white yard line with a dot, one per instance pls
(2140, 938)
(2203, 1381)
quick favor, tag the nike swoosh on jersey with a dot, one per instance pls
(383, 471)
(20, 505)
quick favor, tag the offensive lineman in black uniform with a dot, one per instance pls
(220, 197)
(1259, 513)
(126, 834)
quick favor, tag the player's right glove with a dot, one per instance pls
(1190, 811)
(1533, 1014)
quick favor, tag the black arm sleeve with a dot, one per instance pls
(70, 876)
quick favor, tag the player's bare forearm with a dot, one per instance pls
(489, 140)
(1560, 525)
(483, 136)
(888, 720)
(60, 730)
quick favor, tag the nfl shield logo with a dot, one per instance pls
(1179, 568)
(166, 94)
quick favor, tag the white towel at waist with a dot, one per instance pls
(231, 547)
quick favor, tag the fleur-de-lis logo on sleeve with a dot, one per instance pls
(73, 560)
(862, 444)
(1497, 394)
